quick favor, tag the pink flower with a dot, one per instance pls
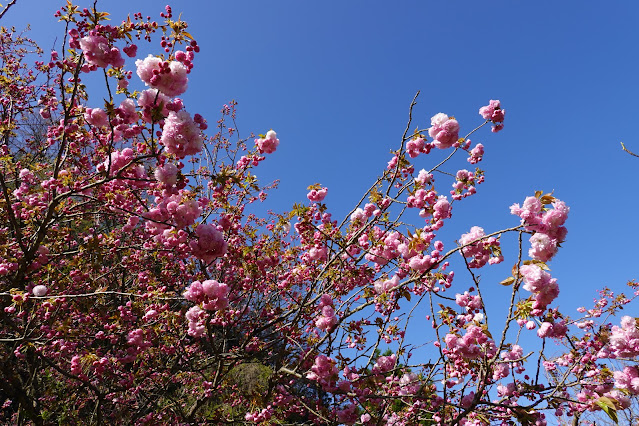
(168, 77)
(442, 208)
(97, 51)
(624, 340)
(545, 223)
(557, 330)
(480, 251)
(268, 144)
(324, 372)
(358, 216)
(476, 154)
(628, 379)
(196, 317)
(96, 117)
(167, 174)
(542, 247)
(382, 286)
(39, 290)
(181, 136)
(423, 178)
(210, 243)
(385, 363)
(316, 195)
(488, 110)
(217, 294)
(131, 50)
(444, 131)
(493, 112)
(154, 105)
(414, 147)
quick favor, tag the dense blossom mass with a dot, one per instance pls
(169, 77)
(140, 283)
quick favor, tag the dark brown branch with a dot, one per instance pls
(11, 3)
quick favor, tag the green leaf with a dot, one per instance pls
(608, 407)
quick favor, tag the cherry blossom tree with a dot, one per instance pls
(139, 286)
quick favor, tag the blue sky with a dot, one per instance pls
(335, 80)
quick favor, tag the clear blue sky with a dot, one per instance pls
(335, 79)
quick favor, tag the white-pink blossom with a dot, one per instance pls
(168, 77)
(181, 136)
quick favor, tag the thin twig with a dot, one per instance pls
(628, 151)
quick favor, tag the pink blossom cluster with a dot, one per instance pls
(422, 199)
(324, 372)
(556, 330)
(464, 185)
(186, 58)
(196, 317)
(624, 340)
(506, 390)
(317, 195)
(120, 163)
(327, 319)
(181, 135)
(431, 204)
(441, 210)
(476, 154)
(6, 268)
(547, 225)
(493, 112)
(169, 77)
(268, 144)
(360, 215)
(317, 252)
(417, 146)
(347, 415)
(167, 174)
(471, 345)
(480, 252)
(502, 370)
(628, 379)
(385, 363)
(213, 295)
(121, 119)
(419, 242)
(131, 50)
(27, 180)
(249, 160)
(98, 51)
(539, 282)
(96, 117)
(471, 303)
(116, 161)
(259, 417)
(210, 243)
(136, 338)
(444, 130)
(76, 365)
(178, 209)
(385, 285)
(424, 178)
(387, 249)
(154, 105)
(421, 263)
(409, 384)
